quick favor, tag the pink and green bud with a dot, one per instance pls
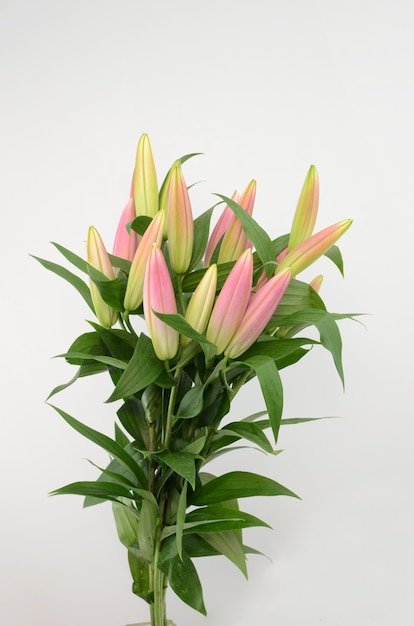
(180, 222)
(312, 248)
(219, 230)
(98, 257)
(125, 243)
(306, 210)
(145, 185)
(201, 303)
(135, 285)
(159, 296)
(235, 240)
(316, 283)
(258, 313)
(231, 303)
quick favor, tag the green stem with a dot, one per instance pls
(239, 383)
(170, 409)
(181, 303)
(158, 607)
(129, 325)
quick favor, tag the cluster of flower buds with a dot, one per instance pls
(232, 317)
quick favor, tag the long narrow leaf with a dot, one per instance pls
(105, 491)
(182, 575)
(142, 370)
(235, 485)
(107, 444)
(255, 233)
(271, 387)
(71, 278)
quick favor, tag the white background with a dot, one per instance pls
(263, 89)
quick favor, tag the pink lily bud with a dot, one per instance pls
(312, 248)
(135, 285)
(125, 243)
(235, 240)
(98, 257)
(131, 188)
(219, 230)
(306, 210)
(258, 313)
(159, 296)
(231, 303)
(180, 222)
(316, 283)
(145, 183)
(201, 303)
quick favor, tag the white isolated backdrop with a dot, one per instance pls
(263, 89)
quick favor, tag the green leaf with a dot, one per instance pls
(71, 278)
(119, 343)
(59, 388)
(255, 416)
(227, 543)
(152, 399)
(330, 336)
(132, 417)
(182, 464)
(191, 155)
(334, 254)
(302, 420)
(298, 296)
(140, 571)
(201, 233)
(177, 321)
(107, 444)
(120, 263)
(142, 370)
(182, 575)
(73, 258)
(331, 340)
(197, 546)
(196, 446)
(181, 511)
(117, 473)
(102, 490)
(111, 291)
(235, 485)
(88, 343)
(126, 521)
(147, 529)
(120, 437)
(277, 347)
(191, 404)
(255, 233)
(250, 432)
(271, 387)
(114, 477)
(213, 519)
(84, 356)
(140, 224)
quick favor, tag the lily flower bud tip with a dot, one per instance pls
(159, 296)
(231, 303)
(98, 257)
(145, 183)
(135, 284)
(180, 222)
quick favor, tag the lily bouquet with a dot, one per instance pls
(221, 306)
